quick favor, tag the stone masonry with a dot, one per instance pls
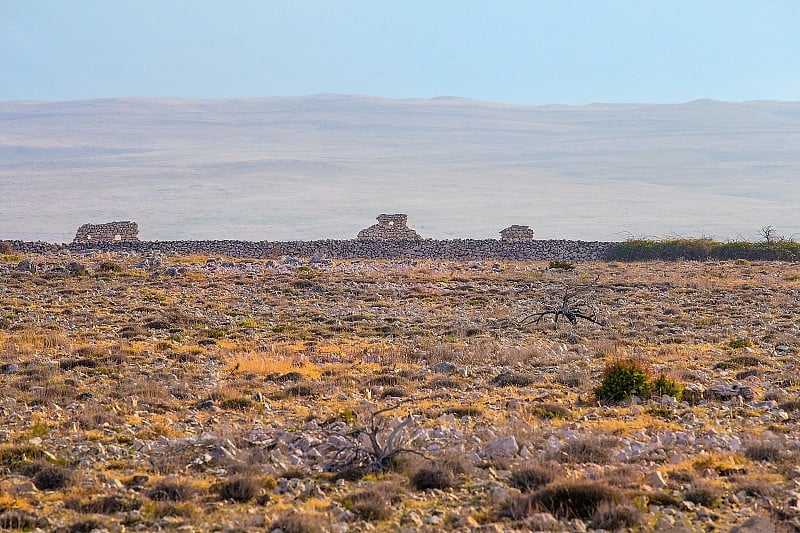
(389, 228)
(516, 233)
(123, 231)
(454, 249)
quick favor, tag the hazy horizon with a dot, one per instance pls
(531, 52)
(286, 168)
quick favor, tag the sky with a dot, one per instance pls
(514, 51)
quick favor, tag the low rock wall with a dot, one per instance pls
(456, 249)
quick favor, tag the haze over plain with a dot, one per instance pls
(306, 167)
(325, 166)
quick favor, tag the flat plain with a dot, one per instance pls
(324, 166)
(206, 393)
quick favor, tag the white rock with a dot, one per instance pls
(656, 480)
(502, 447)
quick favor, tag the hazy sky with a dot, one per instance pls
(519, 51)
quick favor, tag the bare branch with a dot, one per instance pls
(570, 307)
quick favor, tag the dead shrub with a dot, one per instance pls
(432, 478)
(664, 499)
(241, 488)
(512, 379)
(385, 380)
(17, 519)
(371, 504)
(703, 494)
(298, 522)
(465, 410)
(171, 490)
(568, 500)
(533, 477)
(612, 516)
(299, 390)
(767, 452)
(572, 378)
(443, 382)
(586, 450)
(51, 477)
(104, 505)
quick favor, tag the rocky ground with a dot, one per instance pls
(202, 394)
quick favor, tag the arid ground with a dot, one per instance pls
(202, 394)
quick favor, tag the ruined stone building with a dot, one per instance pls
(389, 228)
(516, 233)
(124, 231)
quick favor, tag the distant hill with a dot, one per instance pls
(326, 165)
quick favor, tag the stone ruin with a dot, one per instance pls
(124, 231)
(516, 233)
(389, 228)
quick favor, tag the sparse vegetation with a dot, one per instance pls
(561, 265)
(432, 478)
(704, 249)
(532, 477)
(400, 393)
(622, 379)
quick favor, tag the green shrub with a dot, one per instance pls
(549, 411)
(623, 379)
(111, 266)
(740, 343)
(558, 264)
(664, 386)
(305, 272)
(703, 249)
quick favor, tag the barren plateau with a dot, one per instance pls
(144, 393)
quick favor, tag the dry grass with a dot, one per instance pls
(199, 386)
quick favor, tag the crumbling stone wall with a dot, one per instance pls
(389, 228)
(516, 233)
(123, 231)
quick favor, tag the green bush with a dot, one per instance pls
(740, 343)
(558, 264)
(664, 386)
(623, 379)
(703, 249)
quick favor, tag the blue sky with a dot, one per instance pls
(516, 51)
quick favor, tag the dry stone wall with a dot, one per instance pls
(455, 249)
(123, 231)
